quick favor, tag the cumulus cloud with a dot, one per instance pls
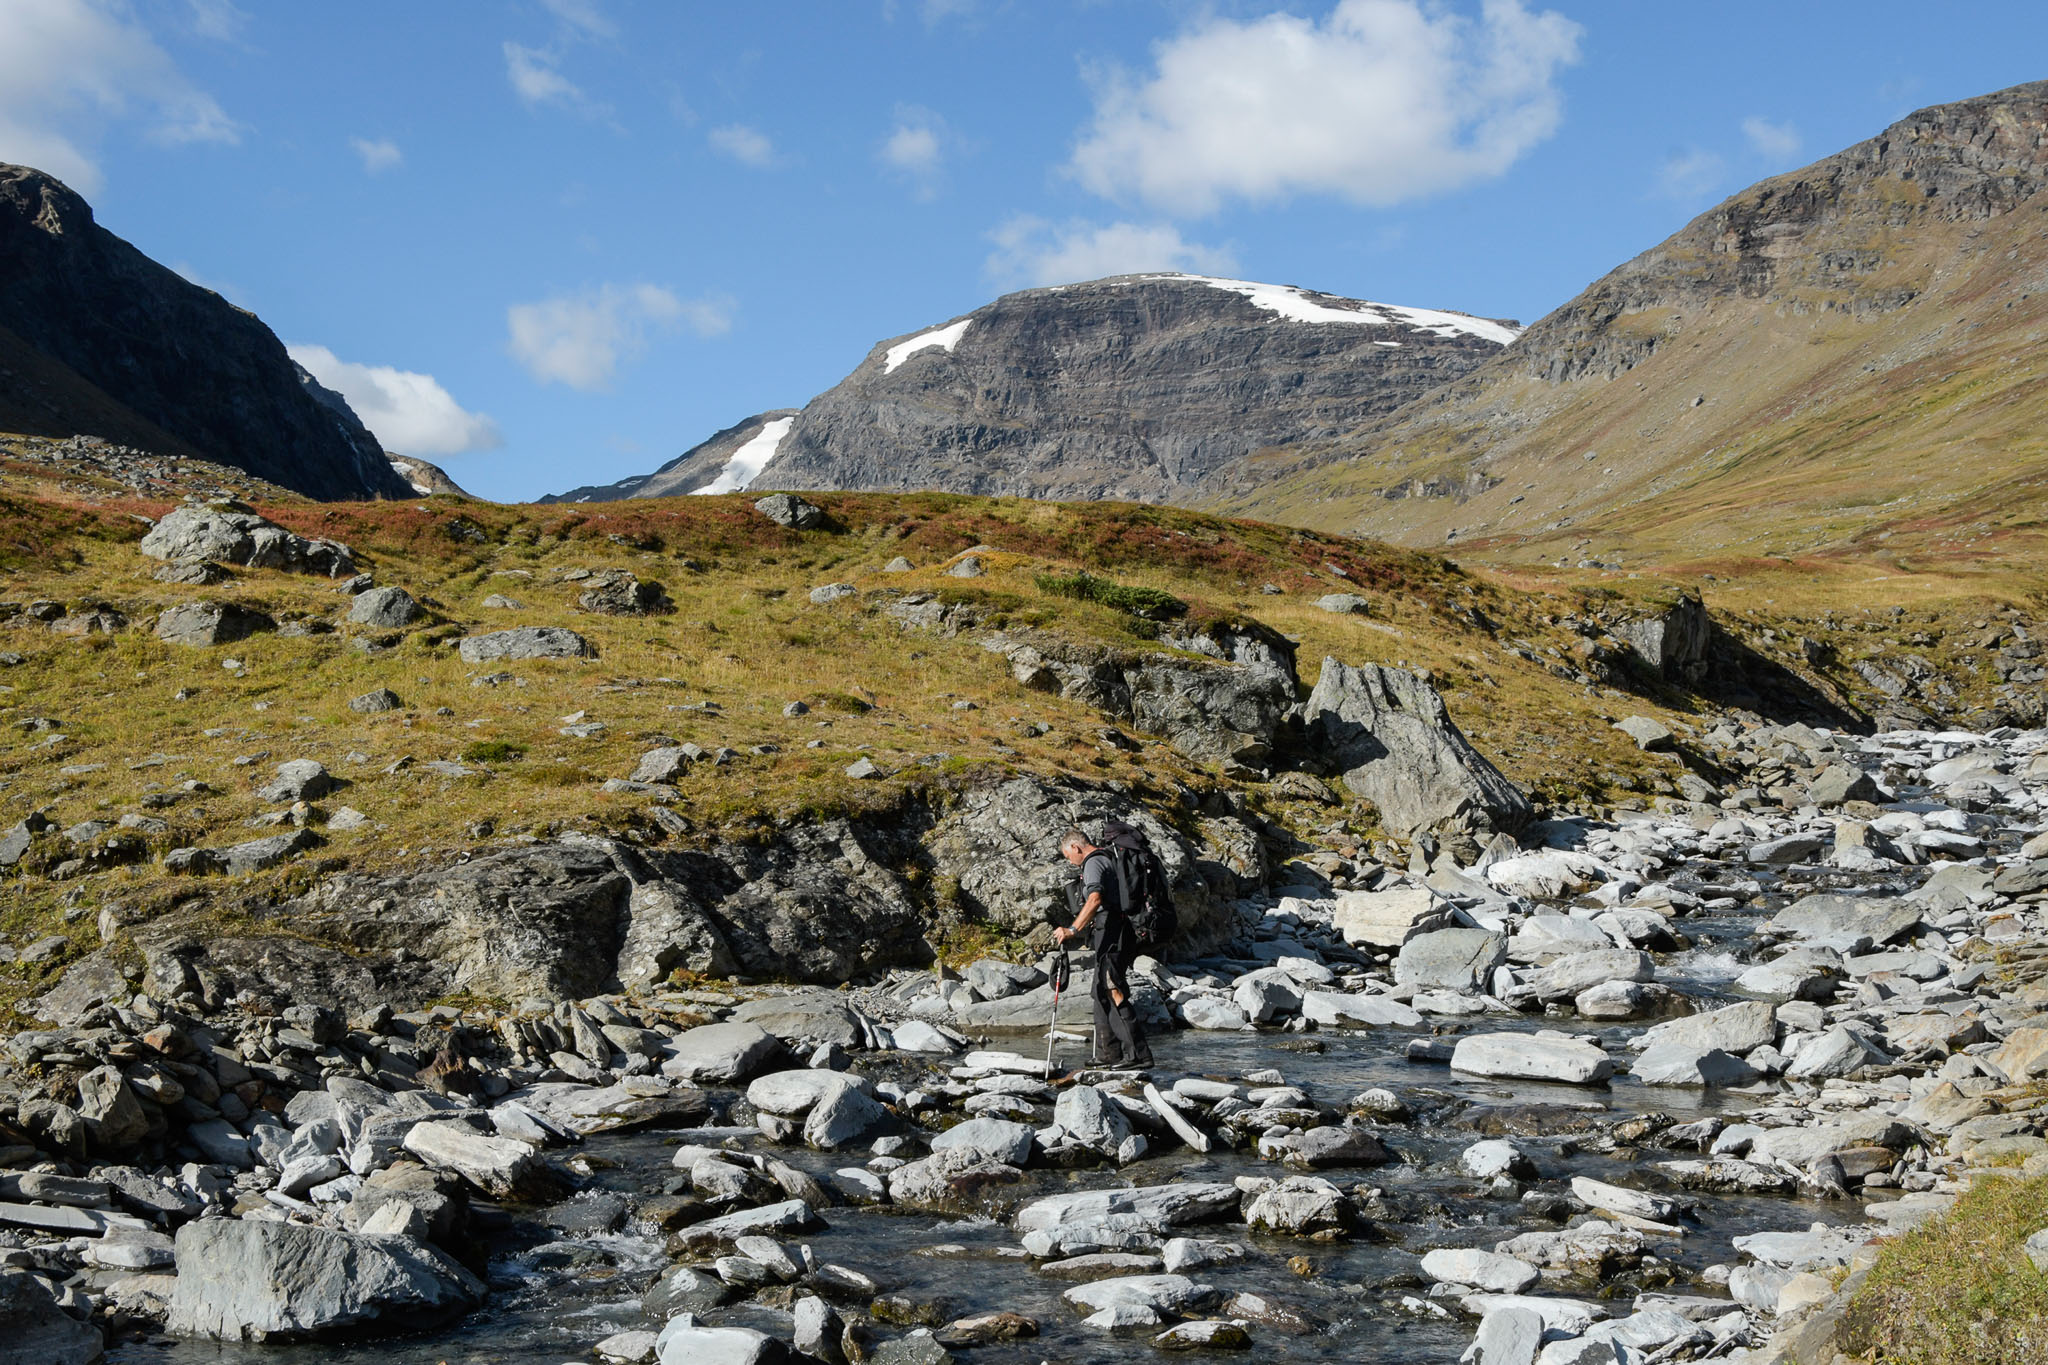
(1380, 102)
(69, 67)
(408, 412)
(582, 339)
(748, 146)
(1778, 141)
(915, 149)
(535, 80)
(379, 155)
(1031, 251)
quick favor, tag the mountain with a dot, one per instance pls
(1143, 387)
(1847, 355)
(426, 477)
(97, 338)
(721, 463)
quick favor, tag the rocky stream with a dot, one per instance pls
(1631, 1092)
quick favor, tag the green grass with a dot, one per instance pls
(1150, 603)
(1957, 1290)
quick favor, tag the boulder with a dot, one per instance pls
(371, 703)
(1343, 604)
(1386, 919)
(1089, 1119)
(201, 624)
(814, 1017)
(1672, 642)
(841, 1116)
(1301, 1206)
(1826, 915)
(1568, 976)
(245, 1280)
(1677, 1063)
(1543, 1056)
(683, 1342)
(300, 779)
(1838, 784)
(1387, 731)
(619, 593)
(1738, 1029)
(500, 1167)
(1479, 1269)
(384, 609)
(34, 1330)
(719, 1054)
(1450, 959)
(1647, 733)
(989, 1140)
(526, 642)
(787, 509)
(1338, 1009)
(235, 535)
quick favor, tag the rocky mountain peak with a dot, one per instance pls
(1146, 387)
(102, 340)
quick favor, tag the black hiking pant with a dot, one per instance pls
(1115, 1024)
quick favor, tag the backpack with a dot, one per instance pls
(1146, 897)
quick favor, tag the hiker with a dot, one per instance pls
(1115, 945)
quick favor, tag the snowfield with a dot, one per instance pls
(946, 338)
(751, 458)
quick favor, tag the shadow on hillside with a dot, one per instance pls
(1737, 676)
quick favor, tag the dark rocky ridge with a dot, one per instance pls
(696, 467)
(1144, 387)
(116, 338)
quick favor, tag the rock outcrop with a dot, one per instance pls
(129, 350)
(243, 1280)
(1387, 732)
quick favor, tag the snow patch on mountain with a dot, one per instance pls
(1298, 305)
(750, 459)
(946, 337)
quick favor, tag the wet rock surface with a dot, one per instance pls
(1458, 1119)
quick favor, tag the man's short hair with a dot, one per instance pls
(1073, 838)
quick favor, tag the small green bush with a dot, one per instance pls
(493, 751)
(1082, 586)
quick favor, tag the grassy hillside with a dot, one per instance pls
(1841, 358)
(102, 725)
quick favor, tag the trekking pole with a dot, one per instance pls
(1060, 973)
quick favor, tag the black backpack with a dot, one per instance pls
(1141, 883)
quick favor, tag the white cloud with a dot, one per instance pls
(916, 148)
(220, 20)
(379, 155)
(534, 78)
(1381, 102)
(408, 412)
(749, 146)
(583, 16)
(581, 339)
(68, 67)
(1031, 251)
(1778, 141)
(1691, 175)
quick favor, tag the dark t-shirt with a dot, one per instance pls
(1098, 875)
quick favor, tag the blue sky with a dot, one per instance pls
(555, 242)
